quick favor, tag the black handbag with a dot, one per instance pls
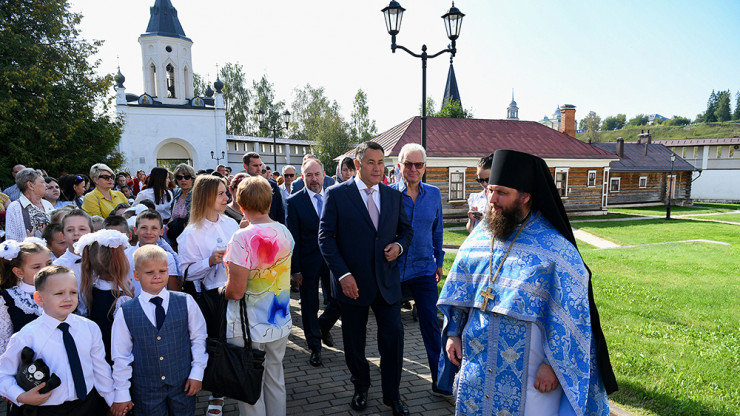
(234, 371)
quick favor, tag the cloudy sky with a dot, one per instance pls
(611, 57)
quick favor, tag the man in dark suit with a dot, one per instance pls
(363, 230)
(298, 183)
(253, 167)
(308, 268)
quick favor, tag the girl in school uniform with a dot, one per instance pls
(105, 280)
(19, 262)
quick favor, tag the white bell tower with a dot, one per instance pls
(167, 63)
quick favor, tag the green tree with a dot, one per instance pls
(316, 118)
(722, 113)
(430, 107)
(638, 120)
(710, 115)
(736, 114)
(54, 113)
(592, 125)
(263, 92)
(453, 109)
(677, 121)
(237, 99)
(361, 128)
(614, 122)
(199, 85)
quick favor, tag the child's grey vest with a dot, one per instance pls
(162, 356)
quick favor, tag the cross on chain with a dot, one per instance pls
(487, 295)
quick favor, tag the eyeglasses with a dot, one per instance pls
(481, 180)
(105, 177)
(181, 177)
(417, 165)
(289, 175)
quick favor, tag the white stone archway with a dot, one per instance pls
(174, 151)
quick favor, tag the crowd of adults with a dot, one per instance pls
(369, 236)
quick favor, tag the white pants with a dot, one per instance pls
(273, 400)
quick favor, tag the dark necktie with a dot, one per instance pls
(159, 310)
(319, 203)
(74, 361)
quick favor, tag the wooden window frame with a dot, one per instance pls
(563, 194)
(588, 179)
(639, 182)
(456, 171)
(619, 184)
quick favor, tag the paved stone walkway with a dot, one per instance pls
(327, 390)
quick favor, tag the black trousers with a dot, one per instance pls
(390, 344)
(313, 324)
(93, 405)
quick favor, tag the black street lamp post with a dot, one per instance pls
(670, 188)
(285, 118)
(453, 22)
(218, 159)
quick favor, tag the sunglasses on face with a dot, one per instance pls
(289, 175)
(481, 180)
(417, 165)
(105, 177)
(181, 177)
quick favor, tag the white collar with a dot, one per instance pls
(69, 255)
(312, 193)
(361, 185)
(146, 296)
(26, 287)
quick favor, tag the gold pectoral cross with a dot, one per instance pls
(487, 295)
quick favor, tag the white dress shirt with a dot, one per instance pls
(72, 261)
(312, 196)
(196, 245)
(135, 284)
(15, 227)
(122, 345)
(376, 195)
(43, 336)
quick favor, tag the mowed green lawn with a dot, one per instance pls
(671, 314)
(720, 217)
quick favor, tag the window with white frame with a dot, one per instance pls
(614, 184)
(561, 181)
(643, 181)
(592, 178)
(457, 184)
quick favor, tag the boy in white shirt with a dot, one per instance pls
(75, 224)
(148, 229)
(72, 347)
(156, 369)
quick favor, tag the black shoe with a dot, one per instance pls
(315, 359)
(397, 407)
(359, 401)
(327, 338)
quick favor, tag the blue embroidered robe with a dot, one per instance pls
(542, 282)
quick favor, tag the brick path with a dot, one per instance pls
(327, 390)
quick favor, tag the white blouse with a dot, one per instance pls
(163, 207)
(23, 298)
(195, 246)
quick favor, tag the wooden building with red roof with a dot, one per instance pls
(454, 146)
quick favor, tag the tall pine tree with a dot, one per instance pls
(722, 113)
(736, 114)
(709, 115)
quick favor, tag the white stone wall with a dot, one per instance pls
(717, 185)
(148, 129)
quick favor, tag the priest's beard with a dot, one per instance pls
(502, 223)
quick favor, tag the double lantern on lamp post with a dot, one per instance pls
(285, 118)
(453, 22)
(670, 188)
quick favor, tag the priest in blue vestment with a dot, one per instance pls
(520, 319)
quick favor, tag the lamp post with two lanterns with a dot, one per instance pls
(453, 22)
(285, 119)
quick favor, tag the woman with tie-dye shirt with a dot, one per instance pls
(258, 267)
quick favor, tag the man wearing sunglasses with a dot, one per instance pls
(478, 201)
(289, 176)
(421, 265)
